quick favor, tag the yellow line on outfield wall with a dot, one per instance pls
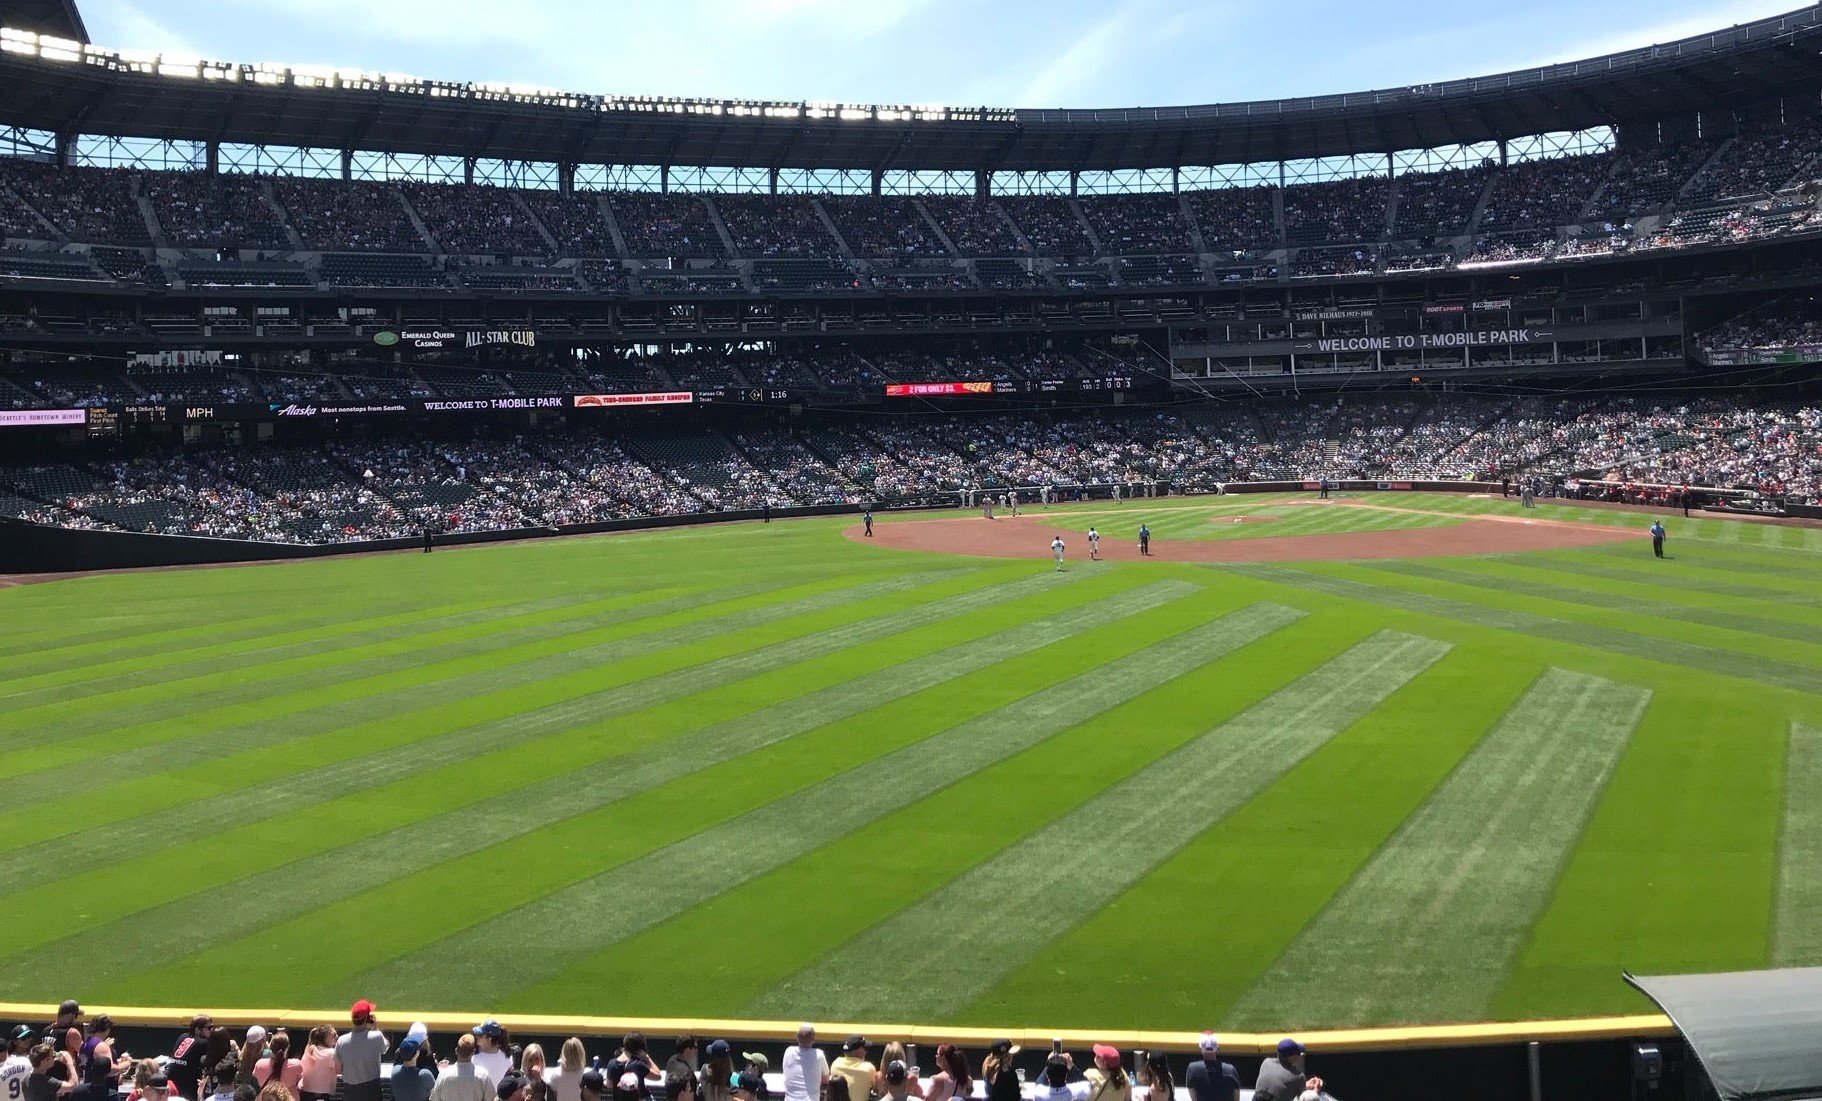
(1239, 1043)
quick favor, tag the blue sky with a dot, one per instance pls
(1023, 53)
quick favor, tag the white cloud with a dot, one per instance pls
(1718, 16)
(123, 24)
(1090, 54)
(844, 19)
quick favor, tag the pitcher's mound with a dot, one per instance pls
(1029, 537)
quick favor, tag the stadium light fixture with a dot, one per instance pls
(275, 74)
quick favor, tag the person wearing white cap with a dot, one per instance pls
(414, 1074)
(806, 1068)
(1209, 1079)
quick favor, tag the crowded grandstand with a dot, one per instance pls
(314, 345)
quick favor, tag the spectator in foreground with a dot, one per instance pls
(1055, 1084)
(513, 1087)
(67, 1024)
(186, 1065)
(565, 1078)
(996, 1069)
(895, 1053)
(1209, 1079)
(629, 1087)
(317, 1082)
(414, 1071)
(590, 1084)
(149, 1083)
(490, 1053)
(277, 1065)
(682, 1063)
(1281, 1077)
(17, 1066)
(953, 1077)
(222, 1075)
(251, 1051)
(359, 1053)
(852, 1067)
(806, 1068)
(39, 1085)
(632, 1059)
(1155, 1076)
(715, 1081)
(463, 1080)
(896, 1081)
(1107, 1079)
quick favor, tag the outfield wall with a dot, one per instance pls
(1585, 1059)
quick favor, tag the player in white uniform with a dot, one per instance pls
(1094, 545)
(1056, 549)
(1012, 502)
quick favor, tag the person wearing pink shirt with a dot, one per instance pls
(278, 1054)
(316, 1080)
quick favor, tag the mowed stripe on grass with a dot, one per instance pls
(1427, 929)
(419, 784)
(321, 658)
(1540, 583)
(134, 719)
(397, 748)
(966, 935)
(71, 679)
(1498, 613)
(1764, 593)
(1796, 939)
(657, 887)
(162, 934)
(258, 740)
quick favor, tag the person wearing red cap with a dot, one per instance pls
(359, 1053)
(1107, 1080)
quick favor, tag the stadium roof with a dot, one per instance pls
(53, 17)
(66, 87)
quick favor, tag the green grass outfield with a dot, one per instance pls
(767, 771)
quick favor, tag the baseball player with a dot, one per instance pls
(1094, 545)
(1012, 502)
(1056, 551)
(867, 519)
(1145, 540)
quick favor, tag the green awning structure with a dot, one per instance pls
(1758, 1034)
